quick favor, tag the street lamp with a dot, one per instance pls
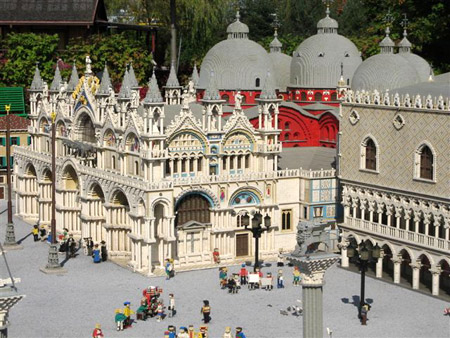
(256, 230)
(53, 265)
(364, 256)
(10, 238)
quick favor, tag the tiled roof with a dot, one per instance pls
(314, 158)
(51, 11)
(16, 122)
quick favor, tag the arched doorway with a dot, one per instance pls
(425, 277)
(29, 194)
(45, 197)
(405, 268)
(372, 264)
(193, 207)
(388, 265)
(93, 215)
(70, 205)
(84, 129)
(444, 278)
(119, 225)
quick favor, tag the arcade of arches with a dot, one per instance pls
(405, 266)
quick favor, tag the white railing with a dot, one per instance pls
(398, 234)
(269, 148)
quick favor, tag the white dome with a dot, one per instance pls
(421, 66)
(317, 61)
(282, 67)
(384, 71)
(237, 64)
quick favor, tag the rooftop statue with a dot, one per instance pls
(309, 233)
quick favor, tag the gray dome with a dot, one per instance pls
(237, 64)
(237, 27)
(282, 66)
(327, 22)
(317, 61)
(421, 66)
(384, 71)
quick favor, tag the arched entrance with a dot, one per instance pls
(93, 214)
(70, 202)
(405, 268)
(193, 207)
(444, 278)
(45, 197)
(29, 194)
(425, 277)
(119, 225)
(388, 265)
(84, 129)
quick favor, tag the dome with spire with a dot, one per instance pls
(384, 71)
(281, 63)
(237, 62)
(421, 66)
(317, 60)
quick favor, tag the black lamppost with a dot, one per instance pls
(364, 256)
(256, 230)
(10, 239)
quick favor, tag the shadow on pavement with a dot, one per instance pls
(23, 238)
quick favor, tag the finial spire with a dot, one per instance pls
(327, 3)
(404, 24)
(73, 82)
(388, 19)
(37, 82)
(153, 92)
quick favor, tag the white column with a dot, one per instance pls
(344, 258)
(416, 276)
(397, 263)
(379, 267)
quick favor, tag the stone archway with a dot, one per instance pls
(118, 225)
(388, 265)
(193, 207)
(93, 214)
(406, 273)
(69, 197)
(425, 277)
(84, 128)
(444, 278)
(45, 197)
(29, 194)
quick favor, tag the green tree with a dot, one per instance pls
(22, 53)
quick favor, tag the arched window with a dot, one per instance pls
(226, 98)
(426, 163)
(296, 136)
(136, 167)
(247, 161)
(303, 96)
(287, 126)
(286, 136)
(113, 162)
(318, 96)
(371, 155)
(199, 165)
(257, 82)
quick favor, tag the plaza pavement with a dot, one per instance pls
(70, 305)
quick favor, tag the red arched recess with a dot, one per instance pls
(329, 127)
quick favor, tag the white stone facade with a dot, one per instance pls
(156, 189)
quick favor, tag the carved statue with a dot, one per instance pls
(238, 100)
(88, 65)
(185, 99)
(309, 233)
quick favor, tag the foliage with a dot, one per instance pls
(22, 53)
(116, 50)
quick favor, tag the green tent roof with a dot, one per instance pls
(13, 96)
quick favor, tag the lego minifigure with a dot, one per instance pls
(89, 246)
(172, 331)
(216, 256)
(171, 305)
(239, 333)
(35, 232)
(168, 269)
(42, 232)
(119, 319)
(203, 332)
(223, 277)
(244, 274)
(160, 311)
(104, 251)
(280, 260)
(297, 277)
(97, 333)
(269, 287)
(280, 279)
(127, 313)
(142, 311)
(183, 333)
(206, 311)
(227, 333)
(191, 331)
(70, 246)
(96, 254)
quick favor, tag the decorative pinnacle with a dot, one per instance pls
(328, 3)
(388, 19)
(276, 23)
(404, 24)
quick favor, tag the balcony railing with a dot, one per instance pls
(397, 234)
